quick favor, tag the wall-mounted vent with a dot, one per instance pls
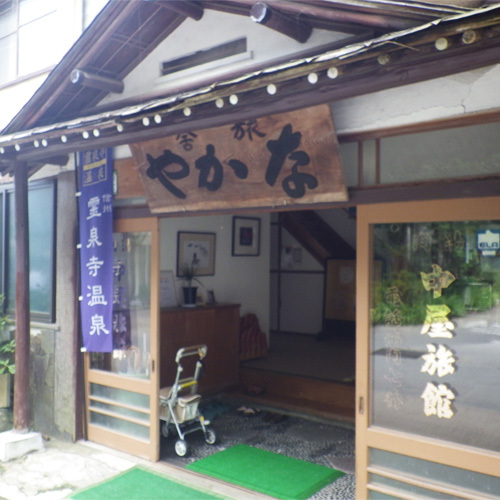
(216, 53)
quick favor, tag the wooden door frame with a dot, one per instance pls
(369, 436)
(107, 437)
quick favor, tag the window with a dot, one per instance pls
(29, 39)
(35, 34)
(42, 236)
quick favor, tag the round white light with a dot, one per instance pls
(271, 89)
(119, 127)
(219, 102)
(187, 111)
(36, 143)
(45, 143)
(64, 138)
(384, 59)
(157, 118)
(441, 44)
(96, 132)
(233, 99)
(85, 134)
(145, 121)
(332, 72)
(312, 78)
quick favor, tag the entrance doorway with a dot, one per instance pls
(312, 347)
(122, 386)
(428, 344)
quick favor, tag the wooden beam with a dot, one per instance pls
(186, 8)
(366, 76)
(22, 306)
(290, 26)
(87, 79)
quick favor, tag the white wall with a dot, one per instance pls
(242, 280)
(455, 95)
(213, 29)
(302, 293)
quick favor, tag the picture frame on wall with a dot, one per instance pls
(246, 237)
(196, 248)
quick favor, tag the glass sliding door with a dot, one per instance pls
(122, 386)
(428, 349)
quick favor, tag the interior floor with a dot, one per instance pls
(324, 442)
(331, 358)
(304, 374)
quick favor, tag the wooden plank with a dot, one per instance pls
(335, 394)
(129, 181)
(22, 306)
(282, 160)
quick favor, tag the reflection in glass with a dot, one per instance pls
(131, 307)
(435, 336)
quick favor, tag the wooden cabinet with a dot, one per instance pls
(216, 326)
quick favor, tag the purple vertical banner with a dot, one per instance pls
(95, 175)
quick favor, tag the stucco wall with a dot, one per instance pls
(243, 280)
(53, 367)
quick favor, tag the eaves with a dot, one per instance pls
(437, 48)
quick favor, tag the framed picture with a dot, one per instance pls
(196, 249)
(246, 237)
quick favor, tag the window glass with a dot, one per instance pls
(2, 252)
(7, 56)
(7, 18)
(10, 297)
(46, 51)
(41, 213)
(457, 152)
(29, 10)
(435, 336)
(432, 472)
(131, 307)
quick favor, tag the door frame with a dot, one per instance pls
(150, 450)
(370, 436)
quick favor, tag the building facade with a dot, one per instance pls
(395, 112)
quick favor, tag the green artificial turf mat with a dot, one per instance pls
(141, 484)
(259, 470)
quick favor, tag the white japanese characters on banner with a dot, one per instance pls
(96, 249)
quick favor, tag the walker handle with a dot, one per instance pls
(184, 352)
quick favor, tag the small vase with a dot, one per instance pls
(190, 295)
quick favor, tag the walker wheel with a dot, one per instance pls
(164, 430)
(181, 447)
(210, 436)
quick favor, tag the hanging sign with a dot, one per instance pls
(488, 242)
(95, 180)
(275, 161)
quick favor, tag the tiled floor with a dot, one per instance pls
(323, 442)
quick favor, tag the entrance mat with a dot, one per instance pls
(259, 470)
(141, 484)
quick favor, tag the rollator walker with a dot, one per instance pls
(179, 403)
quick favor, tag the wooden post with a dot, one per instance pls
(22, 335)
